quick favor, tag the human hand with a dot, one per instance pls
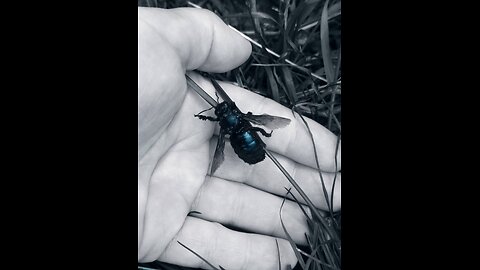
(175, 149)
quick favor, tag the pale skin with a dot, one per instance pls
(175, 150)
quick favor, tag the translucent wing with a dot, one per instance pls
(220, 91)
(218, 157)
(200, 91)
(269, 121)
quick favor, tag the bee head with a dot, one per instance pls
(222, 109)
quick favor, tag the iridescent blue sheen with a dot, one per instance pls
(250, 142)
(232, 120)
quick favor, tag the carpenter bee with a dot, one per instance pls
(244, 137)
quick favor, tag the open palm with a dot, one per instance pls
(175, 149)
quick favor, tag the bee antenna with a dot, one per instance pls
(205, 110)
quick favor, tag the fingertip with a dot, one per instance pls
(228, 50)
(287, 254)
(200, 38)
(214, 46)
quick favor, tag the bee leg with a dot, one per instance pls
(217, 96)
(261, 130)
(203, 117)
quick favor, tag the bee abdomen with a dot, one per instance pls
(248, 146)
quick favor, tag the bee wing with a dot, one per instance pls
(218, 157)
(269, 121)
(220, 91)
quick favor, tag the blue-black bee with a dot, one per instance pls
(244, 137)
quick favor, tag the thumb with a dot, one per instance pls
(201, 39)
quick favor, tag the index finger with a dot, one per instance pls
(292, 141)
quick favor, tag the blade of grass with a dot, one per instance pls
(332, 113)
(325, 41)
(317, 260)
(333, 11)
(329, 230)
(255, 14)
(196, 254)
(285, 33)
(163, 266)
(285, 13)
(302, 193)
(315, 232)
(308, 263)
(315, 229)
(339, 62)
(291, 22)
(146, 268)
(275, 54)
(335, 177)
(238, 77)
(326, 55)
(329, 203)
(288, 79)
(273, 84)
(302, 11)
(270, 65)
(324, 253)
(311, 104)
(309, 219)
(326, 114)
(278, 255)
(218, 6)
(333, 90)
(281, 84)
(321, 245)
(254, 42)
(200, 91)
(325, 192)
(252, 7)
(289, 238)
(193, 4)
(293, 46)
(266, 33)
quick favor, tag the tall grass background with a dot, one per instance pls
(296, 61)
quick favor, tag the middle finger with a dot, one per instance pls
(266, 176)
(249, 209)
